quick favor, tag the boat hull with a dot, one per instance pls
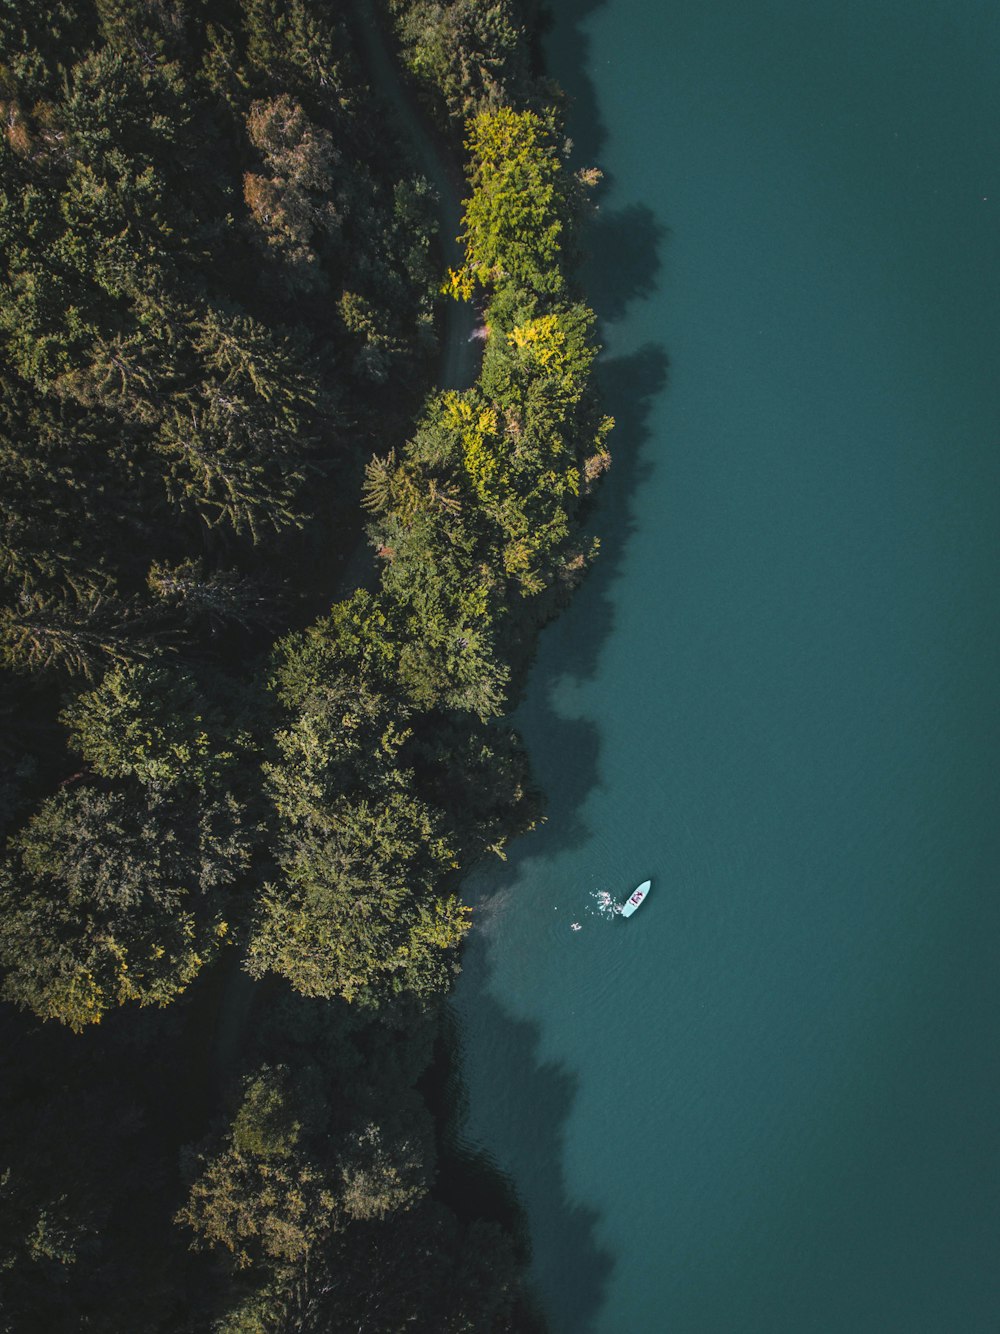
(637, 897)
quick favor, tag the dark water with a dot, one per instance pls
(770, 1102)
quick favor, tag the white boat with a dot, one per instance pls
(635, 898)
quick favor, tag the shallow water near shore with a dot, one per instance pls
(768, 1103)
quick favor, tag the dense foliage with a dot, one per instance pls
(467, 55)
(218, 321)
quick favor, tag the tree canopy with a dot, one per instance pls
(242, 781)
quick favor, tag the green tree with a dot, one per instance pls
(294, 44)
(417, 1270)
(343, 738)
(262, 1197)
(471, 53)
(520, 206)
(56, 532)
(438, 582)
(76, 634)
(123, 892)
(208, 602)
(108, 897)
(243, 356)
(233, 461)
(357, 912)
(149, 722)
(279, 1186)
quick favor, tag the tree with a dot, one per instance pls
(439, 584)
(519, 208)
(293, 202)
(243, 356)
(42, 315)
(357, 913)
(55, 529)
(232, 460)
(306, 1193)
(109, 897)
(261, 1197)
(76, 634)
(471, 53)
(418, 1270)
(343, 738)
(151, 723)
(209, 602)
(294, 44)
(121, 893)
(280, 1185)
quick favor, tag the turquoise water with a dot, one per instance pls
(770, 1102)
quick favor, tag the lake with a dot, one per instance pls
(768, 1103)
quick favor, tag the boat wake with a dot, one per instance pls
(604, 904)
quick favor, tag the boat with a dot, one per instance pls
(635, 898)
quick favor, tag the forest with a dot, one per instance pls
(269, 591)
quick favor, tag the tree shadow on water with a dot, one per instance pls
(526, 1136)
(568, 59)
(522, 1175)
(565, 750)
(622, 264)
(629, 387)
(537, 1097)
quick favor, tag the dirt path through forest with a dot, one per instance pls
(459, 351)
(459, 366)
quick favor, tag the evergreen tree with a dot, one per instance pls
(519, 208)
(470, 54)
(102, 900)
